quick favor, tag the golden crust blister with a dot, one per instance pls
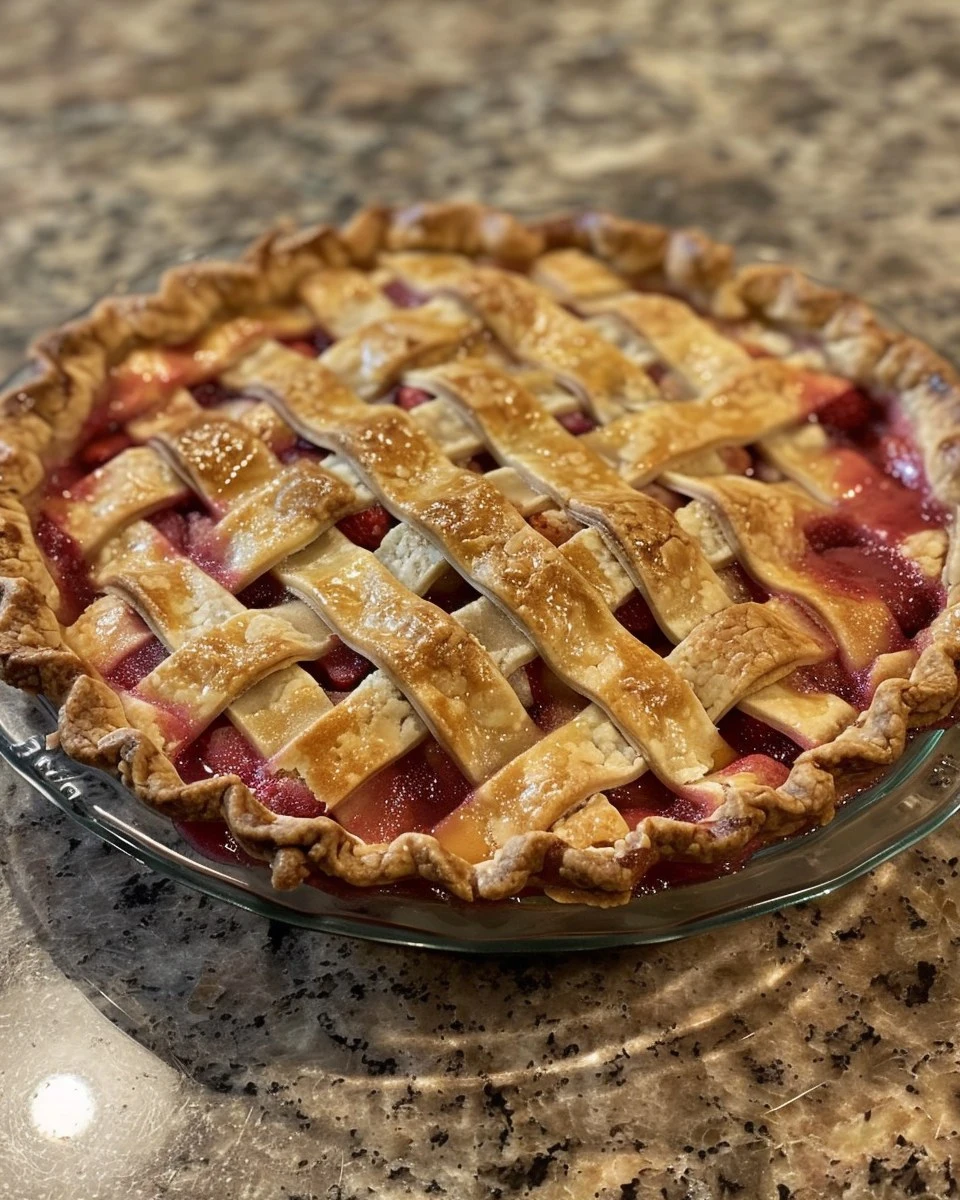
(580, 259)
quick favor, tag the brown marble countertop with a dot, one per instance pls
(808, 1055)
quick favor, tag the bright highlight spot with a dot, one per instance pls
(62, 1106)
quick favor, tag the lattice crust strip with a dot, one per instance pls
(492, 346)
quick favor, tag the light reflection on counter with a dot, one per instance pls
(63, 1106)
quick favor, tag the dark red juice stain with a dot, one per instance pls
(215, 841)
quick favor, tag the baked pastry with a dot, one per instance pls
(501, 556)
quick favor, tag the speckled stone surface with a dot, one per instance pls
(810, 1055)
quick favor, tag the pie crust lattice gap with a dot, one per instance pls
(580, 419)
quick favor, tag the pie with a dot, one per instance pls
(499, 556)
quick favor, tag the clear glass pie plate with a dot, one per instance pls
(918, 795)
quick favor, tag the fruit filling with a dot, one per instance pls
(847, 559)
(223, 750)
(128, 672)
(411, 795)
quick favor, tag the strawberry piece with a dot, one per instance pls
(410, 397)
(98, 452)
(577, 423)
(367, 528)
(342, 668)
(841, 413)
(302, 346)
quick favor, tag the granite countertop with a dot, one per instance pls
(156, 1044)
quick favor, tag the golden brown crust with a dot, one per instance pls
(49, 410)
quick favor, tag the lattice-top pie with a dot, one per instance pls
(503, 556)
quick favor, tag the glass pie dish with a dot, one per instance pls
(916, 797)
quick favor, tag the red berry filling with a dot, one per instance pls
(136, 665)
(845, 412)
(413, 794)
(577, 423)
(648, 797)
(481, 463)
(831, 676)
(70, 567)
(849, 561)
(265, 592)
(189, 530)
(408, 398)
(312, 345)
(450, 592)
(211, 393)
(657, 371)
(223, 750)
(636, 616)
(102, 449)
(404, 296)
(215, 841)
(748, 736)
(341, 668)
(367, 528)
(554, 703)
(299, 449)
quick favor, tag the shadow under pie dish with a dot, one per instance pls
(561, 557)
